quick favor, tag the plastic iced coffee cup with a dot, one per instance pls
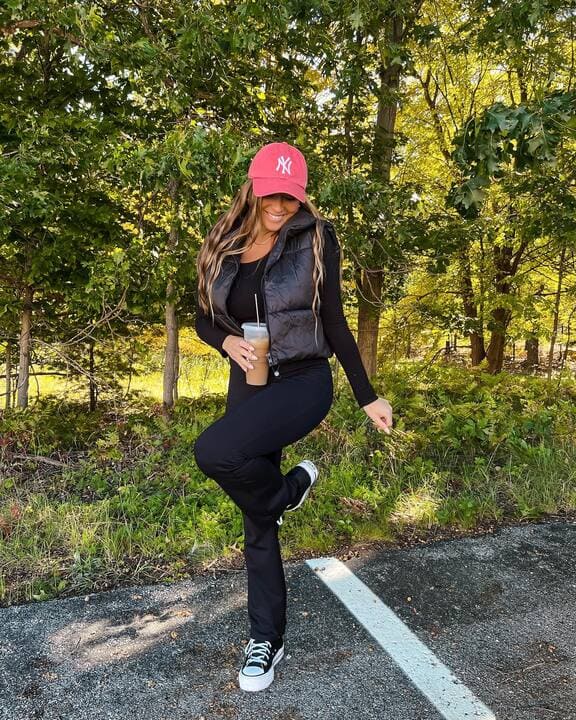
(257, 336)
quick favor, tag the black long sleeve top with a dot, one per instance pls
(241, 306)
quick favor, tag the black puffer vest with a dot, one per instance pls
(288, 294)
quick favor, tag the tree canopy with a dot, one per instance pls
(439, 137)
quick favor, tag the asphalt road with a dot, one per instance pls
(499, 611)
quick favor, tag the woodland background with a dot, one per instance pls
(440, 140)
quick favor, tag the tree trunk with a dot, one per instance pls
(369, 292)
(495, 352)
(500, 316)
(92, 385)
(384, 140)
(171, 321)
(506, 261)
(25, 342)
(532, 352)
(176, 362)
(556, 310)
(477, 348)
(476, 337)
(172, 350)
(369, 320)
(7, 402)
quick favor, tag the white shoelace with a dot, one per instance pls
(258, 651)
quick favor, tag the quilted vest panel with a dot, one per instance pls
(288, 293)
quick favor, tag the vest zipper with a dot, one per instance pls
(274, 366)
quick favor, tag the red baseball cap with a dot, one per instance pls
(279, 168)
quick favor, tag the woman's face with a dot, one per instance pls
(276, 209)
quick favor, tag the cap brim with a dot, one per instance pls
(269, 186)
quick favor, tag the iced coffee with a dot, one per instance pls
(257, 335)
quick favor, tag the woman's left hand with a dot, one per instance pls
(380, 412)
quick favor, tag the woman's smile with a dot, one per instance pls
(275, 210)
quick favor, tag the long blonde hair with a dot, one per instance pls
(216, 246)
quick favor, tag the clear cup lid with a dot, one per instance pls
(255, 330)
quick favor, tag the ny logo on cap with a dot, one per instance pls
(285, 164)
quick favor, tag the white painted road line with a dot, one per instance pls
(448, 695)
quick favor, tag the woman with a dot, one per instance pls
(273, 243)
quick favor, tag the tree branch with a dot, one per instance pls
(33, 24)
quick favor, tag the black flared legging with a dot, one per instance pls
(242, 451)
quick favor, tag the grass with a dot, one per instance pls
(129, 505)
(199, 374)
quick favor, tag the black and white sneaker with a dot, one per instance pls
(257, 671)
(305, 481)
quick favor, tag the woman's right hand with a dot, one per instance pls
(240, 351)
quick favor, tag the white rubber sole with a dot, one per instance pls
(312, 470)
(253, 683)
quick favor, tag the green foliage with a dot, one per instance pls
(503, 24)
(504, 139)
(467, 447)
(126, 132)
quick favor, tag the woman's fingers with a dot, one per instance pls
(244, 364)
(242, 353)
(248, 354)
(383, 422)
